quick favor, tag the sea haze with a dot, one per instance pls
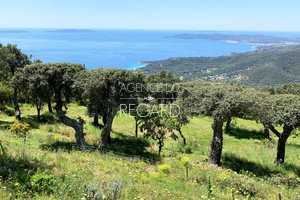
(114, 48)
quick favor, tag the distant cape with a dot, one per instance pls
(12, 31)
(71, 30)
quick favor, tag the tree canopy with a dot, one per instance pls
(107, 91)
(219, 100)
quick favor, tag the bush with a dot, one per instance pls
(107, 190)
(184, 148)
(164, 168)
(31, 185)
(245, 186)
(290, 181)
(6, 93)
(188, 149)
(112, 190)
(48, 117)
(20, 129)
(92, 192)
(239, 183)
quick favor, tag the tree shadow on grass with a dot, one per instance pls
(32, 121)
(293, 145)
(12, 168)
(241, 133)
(238, 164)
(122, 145)
(291, 167)
(5, 124)
(46, 118)
(64, 146)
(132, 147)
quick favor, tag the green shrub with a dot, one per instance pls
(6, 93)
(32, 122)
(164, 168)
(240, 183)
(92, 192)
(31, 185)
(185, 161)
(188, 149)
(112, 190)
(48, 117)
(20, 129)
(184, 148)
(245, 186)
(290, 181)
(107, 191)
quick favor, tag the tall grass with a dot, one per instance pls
(247, 161)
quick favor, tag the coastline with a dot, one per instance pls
(137, 66)
(259, 46)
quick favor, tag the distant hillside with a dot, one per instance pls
(254, 39)
(257, 69)
(71, 30)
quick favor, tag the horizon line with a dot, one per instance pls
(150, 29)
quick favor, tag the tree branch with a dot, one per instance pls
(272, 128)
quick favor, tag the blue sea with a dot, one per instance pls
(118, 48)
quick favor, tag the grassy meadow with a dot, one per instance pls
(247, 170)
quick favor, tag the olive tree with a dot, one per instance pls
(12, 58)
(163, 87)
(57, 78)
(109, 90)
(6, 93)
(220, 101)
(32, 81)
(279, 110)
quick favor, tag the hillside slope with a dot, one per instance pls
(257, 69)
(247, 170)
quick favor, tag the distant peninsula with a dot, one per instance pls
(12, 31)
(251, 39)
(71, 30)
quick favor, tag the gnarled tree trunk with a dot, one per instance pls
(38, 109)
(228, 125)
(16, 105)
(216, 145)
(105, 135)
(182, 136)
(282, 138)
(137, 123)
(49, 105)
(96, 119)
(280, 150)
(266, 132)
(79, 135)
(104, 118)
(136, 128)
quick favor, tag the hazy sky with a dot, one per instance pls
(269, 15)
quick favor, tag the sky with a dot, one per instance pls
(255, 15)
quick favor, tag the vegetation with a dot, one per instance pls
(105, 90)
(20, 129)
(57, 164)
(281, 110)
(255, 69)
(247, 161)
(11, 59)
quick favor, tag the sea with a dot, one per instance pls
(126, 49)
